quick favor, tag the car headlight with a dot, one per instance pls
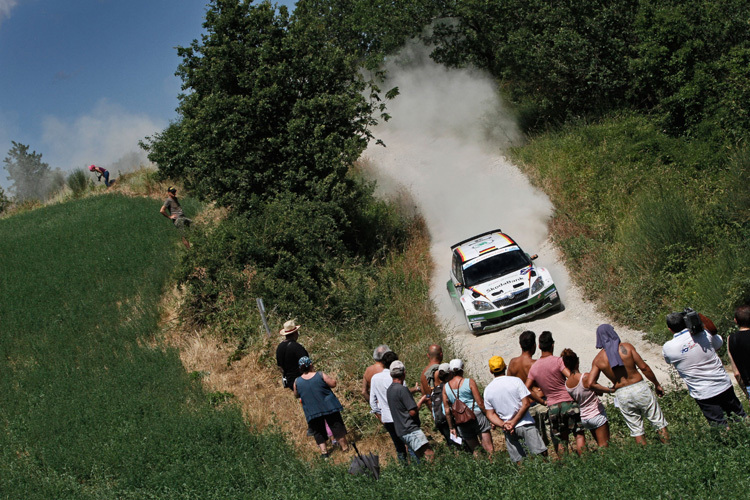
(538, 285)
(481, 305)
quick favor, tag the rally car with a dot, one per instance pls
(496, 284)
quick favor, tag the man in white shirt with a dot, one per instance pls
(379, 402)
(694, 356)
(507, 402)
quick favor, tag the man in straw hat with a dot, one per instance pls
(289, 353)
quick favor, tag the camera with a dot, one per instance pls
(692, 321)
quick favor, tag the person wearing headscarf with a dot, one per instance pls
(620, 363)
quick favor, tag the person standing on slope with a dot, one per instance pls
(172, 210)
(620, 362)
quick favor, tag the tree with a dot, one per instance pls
(27, 171)
(4, 201)
(270, 106)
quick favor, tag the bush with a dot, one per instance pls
(78, 182)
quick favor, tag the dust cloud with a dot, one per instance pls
(444, 146)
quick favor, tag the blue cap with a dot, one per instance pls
(305, 361)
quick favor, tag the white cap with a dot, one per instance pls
(456, 365)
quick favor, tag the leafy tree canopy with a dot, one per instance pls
(269, 106)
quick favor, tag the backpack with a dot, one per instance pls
(436, 398)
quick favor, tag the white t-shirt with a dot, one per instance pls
(379, 385)
(696, 361)
(505, 395)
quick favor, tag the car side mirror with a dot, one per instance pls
(532, 257)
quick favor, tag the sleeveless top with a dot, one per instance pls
(463, 392)
(317, 398)
(588, 402)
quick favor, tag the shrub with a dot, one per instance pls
(78, 182)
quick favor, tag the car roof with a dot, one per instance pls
(482, 244)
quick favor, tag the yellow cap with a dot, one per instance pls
(497, 364)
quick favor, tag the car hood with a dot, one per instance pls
(503, 286)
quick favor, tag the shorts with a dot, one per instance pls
(415, 440)
(531, 439)
(636, 401)
(715, 407)
(564, 419)
(595, 422)
(540, 414)
(318, 427)
(476, 427)
(182, 222)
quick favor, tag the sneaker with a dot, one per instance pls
(325, 456)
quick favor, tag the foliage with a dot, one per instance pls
(270, 106)
(648, 223)
(684, 60)
(294, 253)
(4, 201)
(371, 29)
(78, 182)
(27, 172)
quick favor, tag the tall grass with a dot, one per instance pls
(649, 224)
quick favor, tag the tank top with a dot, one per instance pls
(463, 392)
(587, 400)
(317, 398)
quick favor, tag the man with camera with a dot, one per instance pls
(692, 351)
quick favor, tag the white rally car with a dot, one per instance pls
(496, 284)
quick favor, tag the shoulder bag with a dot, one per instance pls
(461, 413)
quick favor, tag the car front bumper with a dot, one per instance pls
(496, 320)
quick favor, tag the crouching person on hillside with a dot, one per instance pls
(507, 401)
(405, 413)
(320, 405)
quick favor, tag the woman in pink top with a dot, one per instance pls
(593, 414)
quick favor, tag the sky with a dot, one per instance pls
(82, 81)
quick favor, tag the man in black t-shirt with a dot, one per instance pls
(405, 413)
(289, 353)
(738, 347)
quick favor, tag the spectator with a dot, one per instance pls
(101, 172)
(593, 413)
(405, 413)
(507, 400)
(374, 368)
(442, 375)
(321, 406)
(549, 374)
(429, 375)
(519, 367)
(693, 354)
(620, 362)
(379, 402)
(172, 210)
(739, 348)
(288, 354)
(465, 389)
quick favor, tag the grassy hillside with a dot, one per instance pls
(649, 223)
(90, 406)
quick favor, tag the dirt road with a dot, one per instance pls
(444, 146)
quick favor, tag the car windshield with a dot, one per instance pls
(494, 267)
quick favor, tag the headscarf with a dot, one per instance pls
(607, 339)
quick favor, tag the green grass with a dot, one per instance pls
(648, 223)
(89, 406)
